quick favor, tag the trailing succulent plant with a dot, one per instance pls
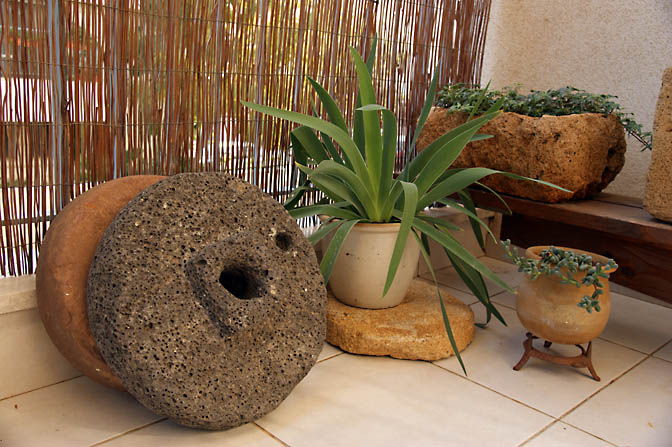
(563, 101)
(564, 264)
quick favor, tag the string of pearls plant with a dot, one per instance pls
(563, 101)
(564, 264)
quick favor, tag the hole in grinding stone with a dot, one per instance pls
(240, 283)
(284, 241)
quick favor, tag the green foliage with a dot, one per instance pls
(359, 183)
(564, 101)
(552, 262)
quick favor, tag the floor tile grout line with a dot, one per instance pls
(329, 357)
(494, 391)
(504, 305)
(555, 419)
(543, 429)
(452, 289)
(660, 358)
(448, 286)
(658, 301)
(271, 435)
(631, 348)
(653, 354)
(540, 432)
(502, 292)
(611, 382)
(493, 295)
(589, 433)
(559, 418)
(120, 435)
(40, 388)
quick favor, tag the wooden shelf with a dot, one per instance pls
(611, 225)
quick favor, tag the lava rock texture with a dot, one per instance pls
(206, 300)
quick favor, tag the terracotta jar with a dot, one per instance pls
(549, 309)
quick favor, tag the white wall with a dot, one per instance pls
(619, 47)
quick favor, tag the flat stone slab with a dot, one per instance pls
(63, 268)
(413, 330)
(207, 301)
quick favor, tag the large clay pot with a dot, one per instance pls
(63, 268)
(549, 309)
(360, 271)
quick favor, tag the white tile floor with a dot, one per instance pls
(355, 400)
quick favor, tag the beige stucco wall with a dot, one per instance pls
(620, 47)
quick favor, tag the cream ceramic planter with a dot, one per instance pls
(359, 274)
(549, 309)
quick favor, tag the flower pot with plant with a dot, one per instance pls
(567, 136)
(360, 269)
(564, 297)
(354, 169)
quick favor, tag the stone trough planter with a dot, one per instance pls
(582, 152)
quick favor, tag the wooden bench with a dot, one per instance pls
(611, 225)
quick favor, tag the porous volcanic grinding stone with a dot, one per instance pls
(412, 330)
(207, 301)
(63, 268)
(658, 199)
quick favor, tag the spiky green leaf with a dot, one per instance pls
(410, 199)
(446, 322)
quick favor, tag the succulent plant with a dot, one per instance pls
(565, 264)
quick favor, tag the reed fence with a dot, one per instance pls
(100, 89)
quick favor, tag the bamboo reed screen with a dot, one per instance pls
(93, 90)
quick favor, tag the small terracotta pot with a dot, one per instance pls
(549, 309)
(360, 271)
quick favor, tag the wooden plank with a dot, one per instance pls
(619, 199)
(643, 267)
(621, 221)
(611, 225)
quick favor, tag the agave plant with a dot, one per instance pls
(360, 186)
